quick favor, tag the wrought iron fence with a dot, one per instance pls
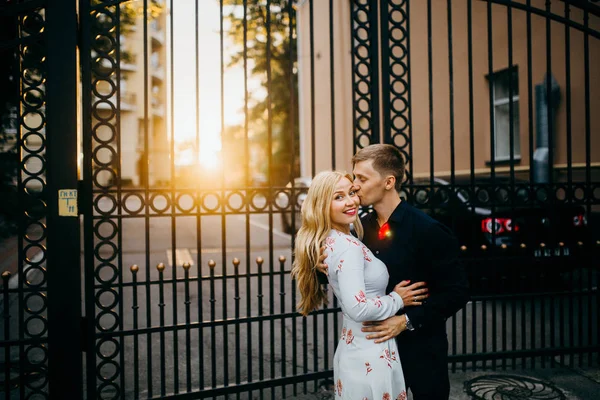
(185, 275)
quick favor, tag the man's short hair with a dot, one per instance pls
(387, 160)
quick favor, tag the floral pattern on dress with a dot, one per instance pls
(339, 266)
(339, 387)
(369, 369)
(402, 396)
(360, 297)
(367, 253)
(377, 301)
(343, 337)
(386, 396)
(388, 357)
(349, 336)
(329, 242)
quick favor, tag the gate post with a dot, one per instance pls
(63, 263)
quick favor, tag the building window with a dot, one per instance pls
(505, 91)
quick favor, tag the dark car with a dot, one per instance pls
(509, 232)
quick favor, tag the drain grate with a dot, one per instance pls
(511, 387)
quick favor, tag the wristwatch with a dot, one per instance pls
(409, 325)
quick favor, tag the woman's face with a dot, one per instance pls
(344, 205)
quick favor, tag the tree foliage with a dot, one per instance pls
(269, 52)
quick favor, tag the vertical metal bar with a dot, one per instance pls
(294, 337)
(312, 89)
(511, 141)
(188, 339)
(201, 371)
(270, 203)
(384, 55)
(147, 200)
(87, 192)
(332, 105)
(213, 333)
(282, 333)
(135, 307)
(223, 206)
(174, 224)
(238, 369)
(430, 76)
(261, 333)
(411, 159)
(161, 318)
(63, 271)
(452, 147)
(5, 291)
(588, 161)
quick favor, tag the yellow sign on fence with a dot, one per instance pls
(67, 203)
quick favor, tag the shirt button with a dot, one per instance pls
(376, 251)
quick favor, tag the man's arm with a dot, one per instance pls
(448, 284)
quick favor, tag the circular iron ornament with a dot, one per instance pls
(422, 196)
(34, 280)
(541, 194)
(112, 251)
(104, 133)
(259, 196)
(483, 196)
(363, 70)
(27, 168)
(185, 198)
(37, 297)
(103, 44)
(560, 194)
(36, 354)
(37, 380)
(110, 177)
(282, 200)
(510, 387)
(502, 195)
(105, 229)
(579, 193)
(35, 232)
(28, 142)
(32, 97)
(398, 68)
(33, 54)
(107, 364)
(108, 390)
(112, 345)
(522, 195)
(400, 123)
(238, 197)
(155, 201)
(211, 202)
(32, 250)
(107, 304)
(103, 114)
(41, 329)
(33, 76)
(98, 90)
(106, 268)
(33, 120)
(32, 23)
(105, 19)
(130, 200)
(105, 198)
(107, 321)
(104, 155)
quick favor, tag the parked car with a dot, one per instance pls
(503, 230)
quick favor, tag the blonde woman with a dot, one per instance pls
(362, 368)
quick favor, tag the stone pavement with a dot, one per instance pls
(558, 383)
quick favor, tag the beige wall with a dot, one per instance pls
(420, 82)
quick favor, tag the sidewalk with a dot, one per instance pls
(556, 383)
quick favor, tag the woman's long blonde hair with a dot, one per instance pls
(316, 225)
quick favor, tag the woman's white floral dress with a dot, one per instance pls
(362, 369)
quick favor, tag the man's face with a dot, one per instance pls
(369, 183)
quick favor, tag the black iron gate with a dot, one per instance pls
(185, 265)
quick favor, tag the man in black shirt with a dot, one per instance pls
(414, 248)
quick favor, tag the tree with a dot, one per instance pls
(268, 47)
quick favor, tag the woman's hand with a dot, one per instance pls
(322, 266)
(412, 295)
